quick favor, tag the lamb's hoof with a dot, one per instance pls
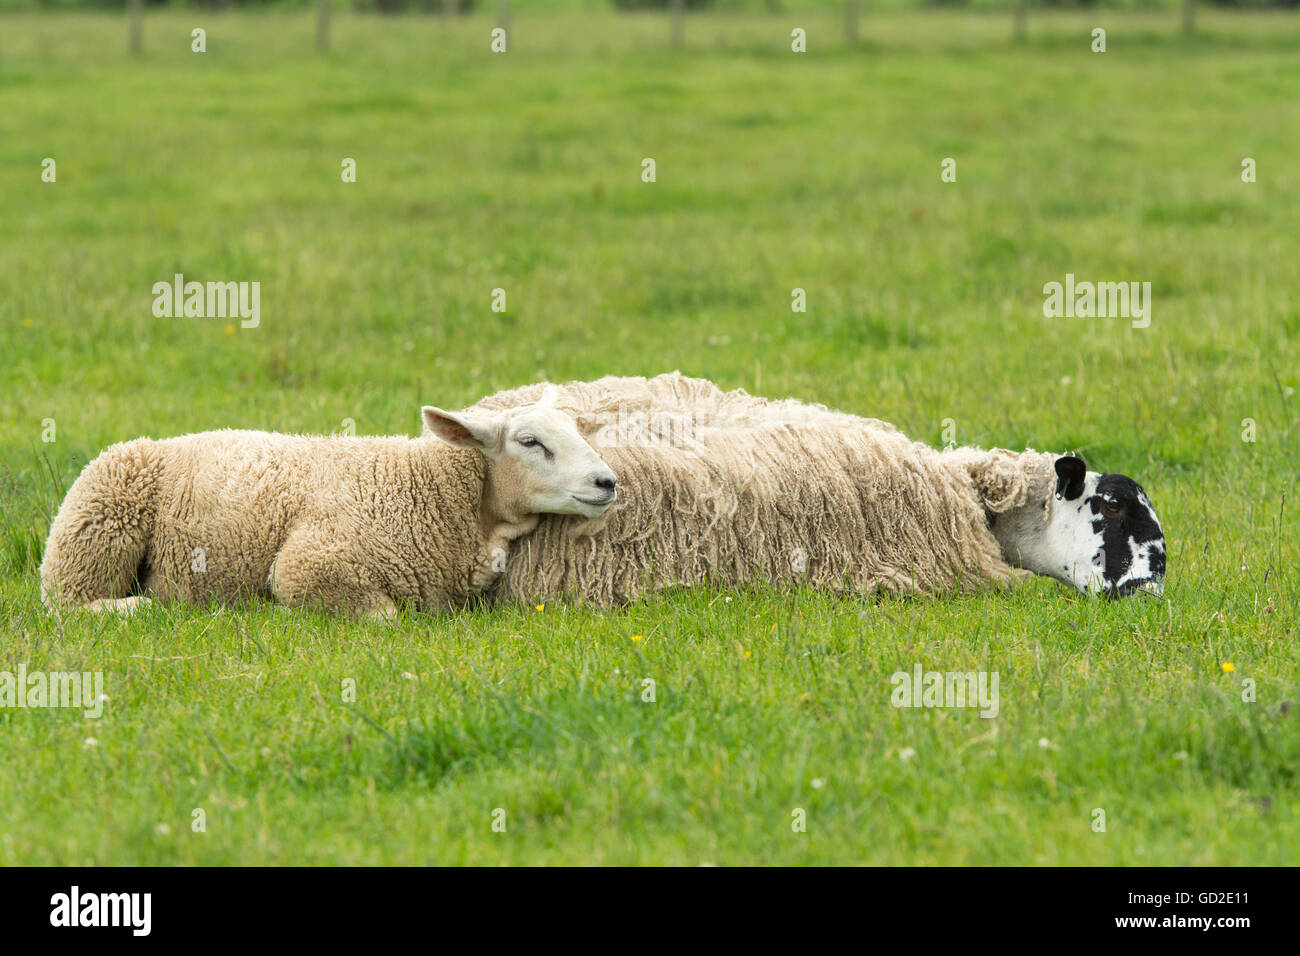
(126, 605)
(383, 612)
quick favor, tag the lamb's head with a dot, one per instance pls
(538, 462)
(1096, 532)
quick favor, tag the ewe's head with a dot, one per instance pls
(539, 462)
(1101, 534)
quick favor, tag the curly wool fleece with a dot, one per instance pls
(333, 522)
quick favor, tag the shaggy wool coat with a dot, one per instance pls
(732, 490)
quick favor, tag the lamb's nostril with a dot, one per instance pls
(606, 482)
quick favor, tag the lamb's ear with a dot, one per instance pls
(550, 395)
(463, 430)
(1070, 473)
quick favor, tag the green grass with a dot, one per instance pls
(522, 171)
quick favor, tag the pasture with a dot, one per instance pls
(774, 171)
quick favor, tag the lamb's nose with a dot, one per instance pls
(606, 482)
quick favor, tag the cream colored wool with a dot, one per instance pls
(344, 523)
(658, 405)
(762, 492)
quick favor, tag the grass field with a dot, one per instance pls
(774, 171)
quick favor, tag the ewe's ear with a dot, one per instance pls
(550, 395)
(1070, 473)
(462, 430)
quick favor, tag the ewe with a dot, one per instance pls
(357, 524)
(731, 489)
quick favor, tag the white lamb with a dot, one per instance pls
(357, 524)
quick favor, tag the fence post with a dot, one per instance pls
(1022, 19)
(851, 8)
(135, 25)
(503, 16)
(323, 25)
(678, 14)
(1189, 17)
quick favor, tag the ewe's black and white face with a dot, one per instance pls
(1102, 535)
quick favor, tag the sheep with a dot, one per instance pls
(344, 523)
(732, 489)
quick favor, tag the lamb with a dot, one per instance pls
(732, 489)
(356, 524)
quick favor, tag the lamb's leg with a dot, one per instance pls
(99, 537)
(126, 605)
(313, 571)
(383, 609)
(492, 558)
